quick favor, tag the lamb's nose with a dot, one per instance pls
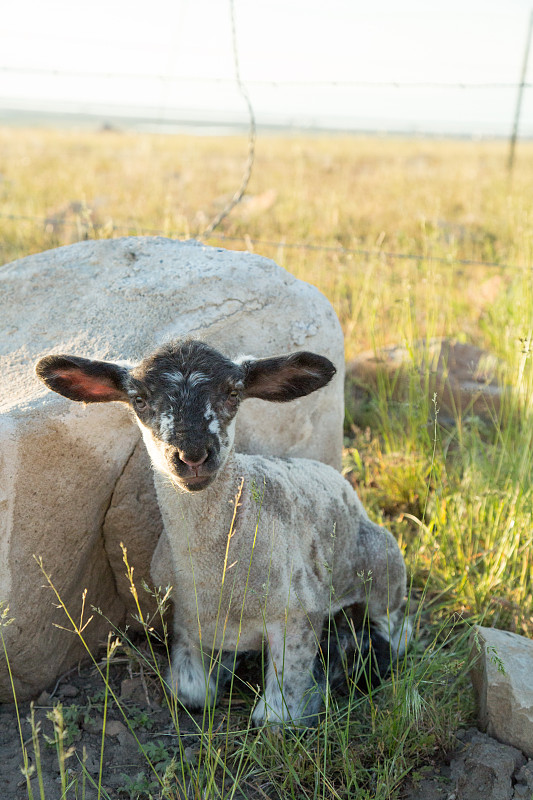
(190, 462)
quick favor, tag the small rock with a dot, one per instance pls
(484, 769)
(92, 762)
(132, 689)
(93, 725)
(190, 754)
(525, 775)
(43, 699)
(115, 728)
(521, 792)
(69, 690)
(430, 789)
(501, 677)
(471, 733)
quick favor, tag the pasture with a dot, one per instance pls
(410, 240)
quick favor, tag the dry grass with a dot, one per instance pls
(449, 200)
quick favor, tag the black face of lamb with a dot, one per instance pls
(187, 396)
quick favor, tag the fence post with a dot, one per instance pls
(512, 145)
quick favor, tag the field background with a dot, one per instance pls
(445, 200)
(409, 240)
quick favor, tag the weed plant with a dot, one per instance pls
(457, 494)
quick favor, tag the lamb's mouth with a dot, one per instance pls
(194, 483)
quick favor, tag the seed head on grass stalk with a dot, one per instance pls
(58, 741)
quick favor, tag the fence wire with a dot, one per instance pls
(239, 194)
(168, 79)
(133, 229)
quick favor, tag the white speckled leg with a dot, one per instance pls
(189, 674)
(291, 695)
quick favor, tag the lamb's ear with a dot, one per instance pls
(82, 379)
(286, 377)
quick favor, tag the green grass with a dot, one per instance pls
(459, 498)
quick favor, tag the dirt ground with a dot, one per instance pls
(81, 694)
(479, 769)
(146, 724)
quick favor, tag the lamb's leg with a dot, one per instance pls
(190, 675)
(291, 693)
(381, 567)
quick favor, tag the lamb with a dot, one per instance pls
(259, 550)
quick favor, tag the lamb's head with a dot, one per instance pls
(185, 397)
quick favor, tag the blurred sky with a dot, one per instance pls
(171, 59)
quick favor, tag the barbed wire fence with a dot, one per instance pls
(211, 230)
(364, 84)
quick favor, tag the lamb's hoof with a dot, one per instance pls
(280, 716)
(193, 696)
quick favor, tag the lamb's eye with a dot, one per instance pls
(140, 403)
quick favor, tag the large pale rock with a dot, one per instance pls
(464, 377)
(502, 679)
(74, 481)
(133, 519)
